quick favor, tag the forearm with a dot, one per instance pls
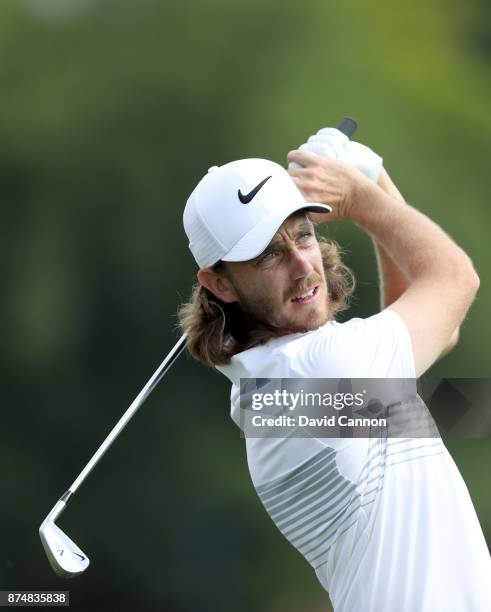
(416, 245)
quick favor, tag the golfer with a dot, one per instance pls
(387, 524)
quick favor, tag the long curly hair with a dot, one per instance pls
(216, 331)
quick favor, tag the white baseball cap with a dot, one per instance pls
(236, 209)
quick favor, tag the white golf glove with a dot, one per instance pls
(332, 142)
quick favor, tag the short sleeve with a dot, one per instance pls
(377, 347)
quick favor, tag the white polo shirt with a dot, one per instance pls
(387, 524)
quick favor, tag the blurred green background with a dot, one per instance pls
(110, 113)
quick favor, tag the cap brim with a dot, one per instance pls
(254, 242)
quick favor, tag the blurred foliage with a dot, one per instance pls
(111, 111)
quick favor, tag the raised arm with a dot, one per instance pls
(392, 281)
(442, 280)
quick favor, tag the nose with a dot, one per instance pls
(300, 265)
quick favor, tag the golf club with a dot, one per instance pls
(65, 557)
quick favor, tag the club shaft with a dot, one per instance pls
(124, 420)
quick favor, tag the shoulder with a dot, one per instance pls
(334, 334)
(379, 345)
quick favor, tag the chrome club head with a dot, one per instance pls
(65, 557)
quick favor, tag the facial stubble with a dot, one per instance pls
(262, 309)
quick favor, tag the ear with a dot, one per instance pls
(218, 284)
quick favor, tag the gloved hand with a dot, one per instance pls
(332, 142)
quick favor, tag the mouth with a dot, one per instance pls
(307, 297)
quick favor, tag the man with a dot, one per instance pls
(387, 524)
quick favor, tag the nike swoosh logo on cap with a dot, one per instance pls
(245, 199)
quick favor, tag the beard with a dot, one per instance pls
(262, 312)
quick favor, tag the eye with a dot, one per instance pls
(305, 236)
(266, 258)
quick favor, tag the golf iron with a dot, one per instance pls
(66, 558)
